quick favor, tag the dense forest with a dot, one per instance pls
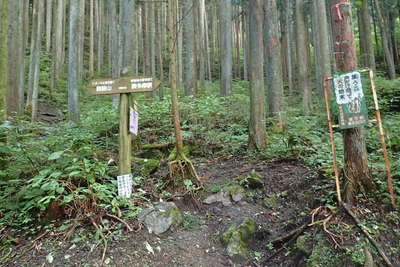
(199, 133)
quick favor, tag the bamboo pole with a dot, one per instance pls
(382, 138)
(332, 139)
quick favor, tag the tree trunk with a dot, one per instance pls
(49, 18)
(369, 44)
(3, 56)
(275, 81)
(225, 16)
(172, 34)
(100, 35)
(302, 56)
(324, 56)
(257, 131)
(15, 93)
(114, 45)
(289, 55)
(127, 9)
(73, 50)
(58, 42)
(81, 36)
(188, 47)
(34, 69)
(159, 47)
(385, 42)
(91, 45)
(355, 153)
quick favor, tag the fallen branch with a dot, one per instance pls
(288, 236)
(359, 224)
(287, 239)
(120, 220)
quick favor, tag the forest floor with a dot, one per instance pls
(291, 191)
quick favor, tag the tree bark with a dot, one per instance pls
(385, 42)
(226, 46)
(324, 56)
(49, 23)
(302, 56)
(73, 51)
(15, 93)
(188, 47)
(355, 152)
(34, 69)
(369, 44)
(91, 45)
(113, 45)
(257, 132)
(81, 38)
(172, 41)
(275, 81)
(3, 56)
(58, 43)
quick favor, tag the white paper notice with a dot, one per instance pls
(348, 88)
(125, 184)
(133, 121)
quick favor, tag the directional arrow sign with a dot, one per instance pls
(123, 85)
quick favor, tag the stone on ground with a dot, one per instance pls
(237, 237)
(161, 217)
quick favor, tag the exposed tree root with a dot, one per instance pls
(180, 169)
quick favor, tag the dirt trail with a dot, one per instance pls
(290, 189)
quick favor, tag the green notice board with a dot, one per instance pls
(350, 100)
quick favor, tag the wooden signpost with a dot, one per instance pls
(128, 119)
(353, 113)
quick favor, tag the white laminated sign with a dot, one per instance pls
(133, 121)
(125, 184)
(348, 88)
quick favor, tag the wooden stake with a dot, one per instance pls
(382, 137)
(125, 146)
(332, 139)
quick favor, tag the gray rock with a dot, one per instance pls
(226, 195)
(236, 192)
(237, 237)
(214, 198)
(161, 217)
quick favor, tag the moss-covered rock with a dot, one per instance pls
(236, 192)
(161, 217)
(147, 166)
(237, 236)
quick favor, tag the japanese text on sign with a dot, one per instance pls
(125, 184)
(350, 98)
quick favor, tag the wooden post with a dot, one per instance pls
(382, 137)
(332, 139)
(125, 145)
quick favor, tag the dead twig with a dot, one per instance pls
(120, 220)
(102, 237)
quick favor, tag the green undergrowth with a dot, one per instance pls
(72, 169)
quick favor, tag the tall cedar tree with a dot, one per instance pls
(257, 131)
(355, 153)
